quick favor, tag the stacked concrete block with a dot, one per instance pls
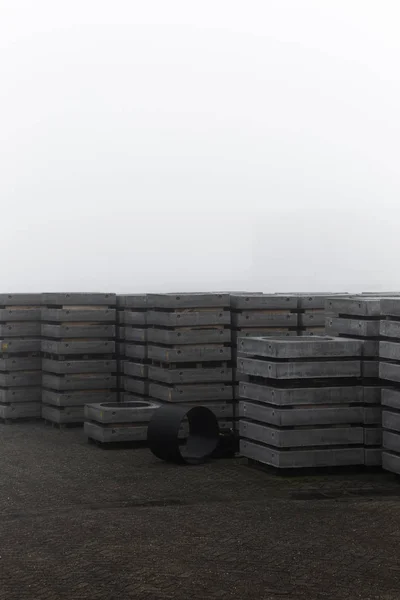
(135, 364)
(116, 422)
(312, 313)
(78, 354)
(358, 317)
(389, 352)
(20, 362)
(189, 349)
(302, 405)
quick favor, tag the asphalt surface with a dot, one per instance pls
(81, 522)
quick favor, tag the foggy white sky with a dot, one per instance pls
(199, 144)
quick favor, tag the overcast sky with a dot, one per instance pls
(199, 145)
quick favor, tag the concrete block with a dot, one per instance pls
(302, 396)
(21, 363)
(372, 435)
(115, 434)
(312, 331)
(62, 416)
(315, 301)
(372, 415)
(17, 395)
(78, 330)
(390, 329)
(134, 301)
(371, 394)
(224, 411)
(136, 386)
(389, 371)
(77, 398)
(24, 329)
(197, 300)
(197, 353)
(16, 346)
(370, 368)
(391, 398)
(138, 351)
(391, 441)
(300, 369)
(391, 420)
(265, 318)
(190, 393)
(372, 457)
(390, 307)
(263, 302)
(217, 335)
(312, 319)
(133, 334)
(391, 462)
(389, 350)
(296, 417)
(171, 376)
(78, 299)
(352, 327)
(355, 306)
(28, 410)
(78, 347)
(77, 314)
(298, 438)
(8, 315)
(87, 381)
(132, 317)
(133, 369)
(79, 366)
(189, 318)
(121, 412)
(20, 379)
(10, 300)
(313, 347)
(293, 459)
(274, 332)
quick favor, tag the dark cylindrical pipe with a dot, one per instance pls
(163, 434)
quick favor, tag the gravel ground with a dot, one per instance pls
(78, 521)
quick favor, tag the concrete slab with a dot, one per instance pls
(372, 457)
(24, 395)
(8, 315)
(391, 441)
(390, 307)
(77, 314)
(274, 332)
(303, 437)
(86, 381)
(78, 330)
(78, 366)
(78, 299)
(21, 379)
(20, 300)
(197, 300)
(15, 346)
(217, 335)
(171, 376)
(312, 319)
(356, 306)
(22, 410)
(390, 329)
(197, 353)
(134, 334)
(372, 415)
(135, 301)
(389, 350)
(295, 417)
(293, 459)
(302, 396)
(391, 398)
(133, 369)
(136, 386)
(260, 318)
(370, 368)
(138, 351)
(77, 398)
(313, 347)
(116, 434)
(391, 420)
(78, 347)
(269, 369)
(352, 327)
(372, 435)
(263, 302)
(121, 412)
(189, 318)
(21, 363)
(389, 371)
(132, 317)
(14, 329)
(371, 394)
(63, 416)
(190, 393)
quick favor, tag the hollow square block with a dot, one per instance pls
(312, 347)
(121, 412)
